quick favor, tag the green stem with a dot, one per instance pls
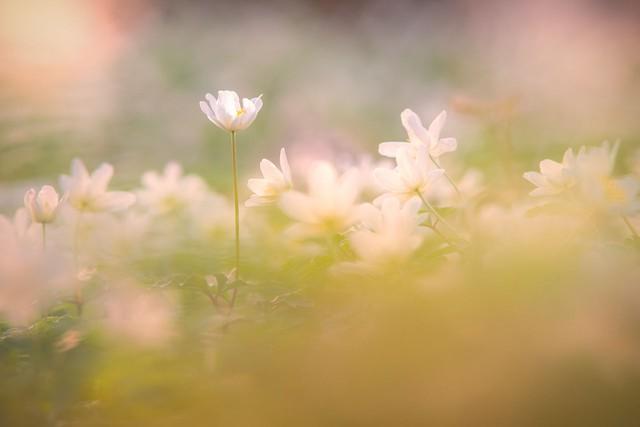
(453, 184)
(435, 212)
(234, 162)
(630, 227)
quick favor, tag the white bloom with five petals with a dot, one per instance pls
(274, 183)
(228, 113)
(88, 192)
(419, 136)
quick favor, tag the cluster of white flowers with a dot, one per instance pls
(406, 211)
(586, 178)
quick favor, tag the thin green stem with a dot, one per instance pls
(435, 212)
(630, 226)
(234, 162)
(453, 184)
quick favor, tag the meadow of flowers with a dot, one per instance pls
(428, 276)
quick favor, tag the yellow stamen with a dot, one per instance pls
(613, 191)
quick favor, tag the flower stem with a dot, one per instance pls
(438, 216)
(453, 184)
(631, 228)
(434, 211)
(44, 237)
(234, 162)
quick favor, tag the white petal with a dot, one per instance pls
(413, 125)
(115, 201)
(535, 178)
(284, 165)
(389, 180)
(551, 169)
(297, 206)
(435, 128)
(391, 148)
(78, 170)
(260, 187)
(271, 172)
(100, 177)
(444, 145)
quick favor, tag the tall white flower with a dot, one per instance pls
(389, 233)
(88, 193)
(43, 205)
(171, 191)
(330, 204)
(554, 178)
(413, 175)
(228, 113)
(419, 136)
(274, 183)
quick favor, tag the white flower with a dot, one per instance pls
(88, 193)
(421, 137)
(586, 178)
(227, 113)
(171, 191)
(276, 181)
(141, 316)
(43, 205)
(213, 217)
(554, 178)
(30, 279)
(389, 233)
(594, 166)
(411, 176)
(330, 204)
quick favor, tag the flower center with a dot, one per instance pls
(240, 112)
(613, 191)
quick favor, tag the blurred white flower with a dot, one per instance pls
(88, 193)
(618, 195)
(227, 113)
(389, 233)
(470, 185)
(120, 235)
(43, 205)
(413, 175)
(213, 217)
(554, 178)
(276, 181)
(30, 279)
(25, 231)
(328, 207)
(586, 178)
(171, 191)
(421, 137)
(141, 316)
(598, 188)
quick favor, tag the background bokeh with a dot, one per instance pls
(537, 323)
(120, 81)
